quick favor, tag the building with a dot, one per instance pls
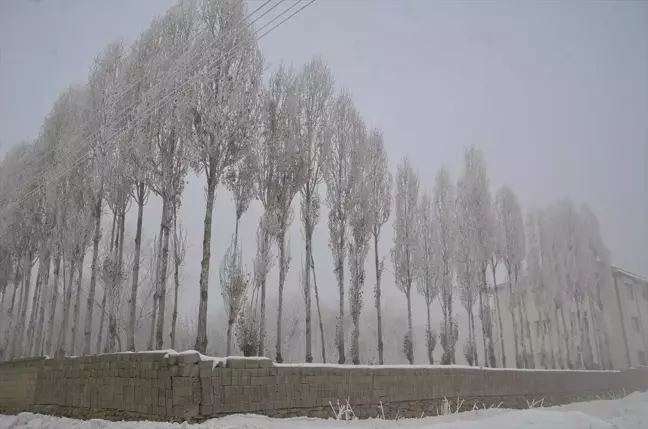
(615, 338)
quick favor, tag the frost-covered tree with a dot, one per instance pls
(536, 281)
(406, 236)
(359, 228)
(287, 166)
(445, 220)
(380, 187)
(314, 92)
(495, 258)
(429, 266)
(103, 87)
(138, 77)
(600, 257)
(338, 176)
(234, 283)
(467, 263)
(478, 211)
(226, 82)
(179, 253)
(509, 216)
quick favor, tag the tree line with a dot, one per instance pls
(188, 96)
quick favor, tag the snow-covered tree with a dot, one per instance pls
(467, 263)
(509, 216)
(406, 236)
(226, 82)
(280, 138)
(314, 92)
(103, 87)
(445, 221)
(359, 228)
(380, 187)
(234, 283)
(429, 266)
(338, 176)
(478, 210)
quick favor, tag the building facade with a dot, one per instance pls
(614, 338)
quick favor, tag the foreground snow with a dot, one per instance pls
(630, 412)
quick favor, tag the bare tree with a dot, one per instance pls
(314, 91)
(429, 263)
(338, 175)
(444, 209)
(227, 81)
(380, 182)
(406, 235)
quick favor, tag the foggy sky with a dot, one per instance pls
(554, 93)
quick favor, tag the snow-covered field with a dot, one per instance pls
(630, 412)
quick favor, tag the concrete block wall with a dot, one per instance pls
(188, 386)
(18, 381)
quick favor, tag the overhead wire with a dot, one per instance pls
(163, 101)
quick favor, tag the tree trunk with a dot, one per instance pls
(566, 338)
(41, 279)
(518, 362)
(93, 273)
(339, 271)
(176, 277)
(201, 336)
(77, 306)
(230, 324)
(113, 334)
(4, 346)
(132, 302)
(101, 321)
(19, 335)
(307, 287)
(319, 311)
(428, 334)
(499, 315)
(262, 316)
(474, 336)
(282, 279)
(67, 300)
(581, 332)
(528, 330)
(52, 314)
(483, 325)
(377, 293)
(162, 277)
(410, 330)
(153, 323)
(453, 340)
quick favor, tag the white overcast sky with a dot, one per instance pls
(554, 93)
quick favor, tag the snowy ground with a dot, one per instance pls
(630, 412)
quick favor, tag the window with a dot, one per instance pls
(642, 358)
(635, 324)
(630, 290)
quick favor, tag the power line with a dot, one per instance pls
(167, 98)
(80, 142)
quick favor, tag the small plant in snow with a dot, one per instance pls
(344, 411)
(535, 403)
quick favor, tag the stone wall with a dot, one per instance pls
(188, 386)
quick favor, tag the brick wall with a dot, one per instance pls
(161, 386)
